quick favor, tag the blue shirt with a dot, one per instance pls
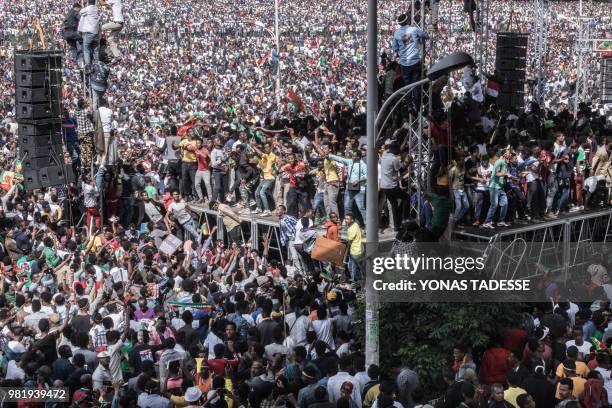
(354, 171)
(406, 43)
(69, 129)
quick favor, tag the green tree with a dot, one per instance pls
(423, 335)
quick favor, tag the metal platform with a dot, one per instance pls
(253, 226)
(558, 246)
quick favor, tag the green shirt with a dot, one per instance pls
(151, 191)
(51, 257)
(581, 158)
(497, 182)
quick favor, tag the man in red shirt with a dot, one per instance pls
(203, 171)
(298, 194)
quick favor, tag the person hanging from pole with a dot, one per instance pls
(89, 28)
(114, 27)
(85, 132)
(469, 6)
(407, 45)
(71, 33)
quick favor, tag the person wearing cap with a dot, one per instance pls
(193, 397)
(407, 42)
(102, 373)
(306, 394)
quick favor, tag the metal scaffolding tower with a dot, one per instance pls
(481, 38)
(540, 33)
(419, 142)
(583, 50)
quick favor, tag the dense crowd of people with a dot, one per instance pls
(120, 289)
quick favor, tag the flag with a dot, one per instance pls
(263, 60)
(296, 101)
(205, 229)
(7, 179)
(493, 86)
(186, 126)
(200, 306)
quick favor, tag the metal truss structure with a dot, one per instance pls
(481, 38)
(540, 37)
(419, 142)
(583, 50)
(556, 247)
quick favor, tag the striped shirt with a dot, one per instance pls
(287, 229)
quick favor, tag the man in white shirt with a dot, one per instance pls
(584, 347)
(178, 209)
(334, 384)
(114, 26)
(89, 27)
(109, 157)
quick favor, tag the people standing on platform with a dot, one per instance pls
(497, 195)
(189, 165)
(107, 129)
(203, 171)
(231, 221)
(182, 216)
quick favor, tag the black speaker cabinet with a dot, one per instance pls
(37, 163)
(43, 127)
(48, 177)
(41, 151)
(37, 60)
(36, 95)
(34, 111)
(38, 79)
(512, 39)
(33, 142)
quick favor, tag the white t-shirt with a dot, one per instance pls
(179, 211)
(606, 374)
(106, 117)
(119, 274)
(582, 350)
(117, 10)
(323, 328)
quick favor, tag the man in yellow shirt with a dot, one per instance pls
(581, 369)
(513, 390)
(577, 383)
(332, 180)
(353, 234)
(189, 166)
(266, 184)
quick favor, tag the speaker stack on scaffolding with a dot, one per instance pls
(510, 68)
(38, 84)
(606, 79)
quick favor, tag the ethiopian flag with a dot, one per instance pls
(296, 101)
(205, 229)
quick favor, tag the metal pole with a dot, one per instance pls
(278, 69)
(371, 317)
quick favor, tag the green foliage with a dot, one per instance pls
(423, 335)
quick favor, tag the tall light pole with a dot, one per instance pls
(278, 69)
(276, 35)
(371, 317)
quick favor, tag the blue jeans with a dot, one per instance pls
(462, 205)
(262, 194)
(91, 42)
(74, 150)
(358, 196)
(189, 228)
(498, 198)
(564, 198)
(353, 267)
(220, 186)
(318, 201)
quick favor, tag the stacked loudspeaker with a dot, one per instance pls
(606, 79)
(38, 83)
(510, 65)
